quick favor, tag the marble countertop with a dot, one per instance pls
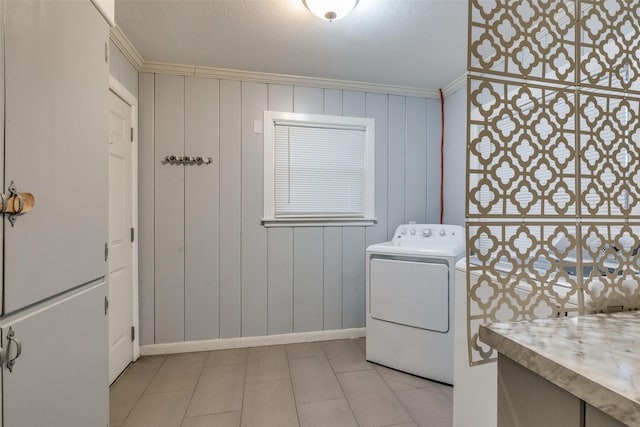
(595, 357)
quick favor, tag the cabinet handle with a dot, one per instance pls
(25, 202)
(12, 360)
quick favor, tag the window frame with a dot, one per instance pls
(273, 118)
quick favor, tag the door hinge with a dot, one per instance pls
(106, 251)
(133, 333)
(133, 234)
(131, 134)
(106, 305)
(106, 52)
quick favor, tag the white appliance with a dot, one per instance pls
(410, 299)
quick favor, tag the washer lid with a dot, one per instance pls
(447, 249)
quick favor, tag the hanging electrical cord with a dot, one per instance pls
(442, 159)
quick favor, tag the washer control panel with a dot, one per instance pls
(421, 234)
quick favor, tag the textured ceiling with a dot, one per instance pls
(420, 43)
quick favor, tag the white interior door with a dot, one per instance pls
(120, 277)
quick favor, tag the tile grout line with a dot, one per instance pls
(293, 391)
(397, 398)
(244, 384)
(392, 392)
(346, 398)
(124, 421)
(195, 387)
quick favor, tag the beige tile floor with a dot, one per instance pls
(326, 384)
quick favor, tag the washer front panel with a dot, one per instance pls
(410, 293)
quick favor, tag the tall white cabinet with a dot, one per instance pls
(55, 86)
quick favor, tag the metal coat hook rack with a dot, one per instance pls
(188, 160)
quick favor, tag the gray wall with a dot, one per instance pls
(208, 269)
(455, 157)
(122, 70)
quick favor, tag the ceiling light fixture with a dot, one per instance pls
(330, 10)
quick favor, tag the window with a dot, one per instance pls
(318, 170)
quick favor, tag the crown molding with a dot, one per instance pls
(455, 85)
(126, 47)
(132, 54)
(258, 77)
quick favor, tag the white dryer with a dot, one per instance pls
(410, 299)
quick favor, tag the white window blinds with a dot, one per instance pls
(319, 171)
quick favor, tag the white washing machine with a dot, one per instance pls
(410, 299)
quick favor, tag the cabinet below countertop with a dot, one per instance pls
(525, 399)
(579, 371)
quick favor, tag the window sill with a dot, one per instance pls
(318, 222)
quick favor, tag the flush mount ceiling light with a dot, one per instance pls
(330, 10)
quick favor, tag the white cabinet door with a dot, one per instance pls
(60, 378)
(56, 90)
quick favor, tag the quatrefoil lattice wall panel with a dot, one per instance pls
(553, 160)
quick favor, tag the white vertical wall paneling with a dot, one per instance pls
(353, 242)
(353, 277)
(332, 278)
(281, 279)
(333, 102)
(455, 156)
(169, 210)
(202, 198)
(254, 235)
(280, 291)
(230, 208)
(308, 100)
(308, 243)
(416, 155)
(434, 133)
(280, 245)
(280, 98)
(308, 279)
(377, 106)
(396, 149)
(146, 173)
(332, 241)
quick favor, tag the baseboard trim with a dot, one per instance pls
(243, 342)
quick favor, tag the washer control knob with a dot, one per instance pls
(426, 232)
(413, 231)
(403, 231)
(442, 232)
